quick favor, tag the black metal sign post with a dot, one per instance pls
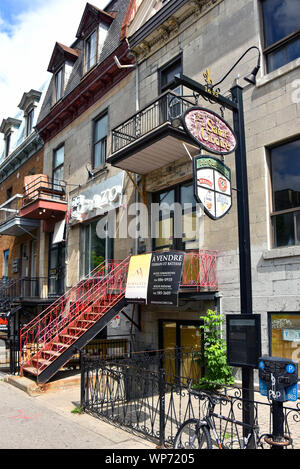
(236, 106)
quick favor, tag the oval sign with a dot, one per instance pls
(209, 130)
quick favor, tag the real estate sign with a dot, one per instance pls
(155, 278)
(164, 278)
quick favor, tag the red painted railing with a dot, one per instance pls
(200, 270)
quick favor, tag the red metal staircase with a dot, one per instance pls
(52, 338)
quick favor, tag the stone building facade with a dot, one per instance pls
(189, 38)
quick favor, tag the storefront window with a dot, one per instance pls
(285, 336)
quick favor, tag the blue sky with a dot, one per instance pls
(11, 9)
(28, 32)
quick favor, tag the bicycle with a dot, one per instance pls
(196, 433)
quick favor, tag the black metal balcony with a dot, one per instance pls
(149, 139)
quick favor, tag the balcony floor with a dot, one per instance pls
(156, 149)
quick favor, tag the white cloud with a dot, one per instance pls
(27, 47)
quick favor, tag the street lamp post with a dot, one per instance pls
(236, 106)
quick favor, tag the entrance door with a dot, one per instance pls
(182, 340)
(56, 268)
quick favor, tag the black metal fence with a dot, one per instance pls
(143, 393)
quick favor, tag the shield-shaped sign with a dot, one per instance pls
(212, 186)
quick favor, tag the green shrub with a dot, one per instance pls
(214, 355)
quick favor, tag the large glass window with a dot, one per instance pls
(100, 140)
(285, 336)
(285, 173)
(281, 19)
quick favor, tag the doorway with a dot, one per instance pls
(56, 268)
(182, 340)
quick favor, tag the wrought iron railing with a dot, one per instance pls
(143, 394)
(163, 109)
(43, 187)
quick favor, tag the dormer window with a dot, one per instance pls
(92, 30)
(28, 104)
(61, 65)
(7, 128)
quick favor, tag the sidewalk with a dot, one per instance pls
(55, 406)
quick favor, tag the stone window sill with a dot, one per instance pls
(267, 78)
(278, 253)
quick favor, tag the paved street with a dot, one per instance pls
(46, 422)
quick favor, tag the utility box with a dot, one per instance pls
(278, 378)
(243, 335)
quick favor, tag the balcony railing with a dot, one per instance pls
(10, 208)
(164, 109)
(41, 187)
(200, 270)
(12, 290)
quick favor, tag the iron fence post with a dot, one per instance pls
(278, 423)
(162, 406)
(82, 380)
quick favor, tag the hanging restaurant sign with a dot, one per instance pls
(210, 131)
(212, 186)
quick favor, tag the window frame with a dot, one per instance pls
(276, 45)
(29, 120)
(273, 212)
(61, 165)
(86, 42)
(7, 143)
(61, 88)
(176, 242)
(102, 140)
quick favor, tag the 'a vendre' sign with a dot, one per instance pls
(209, 131)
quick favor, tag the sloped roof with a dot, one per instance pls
(60, 54)
(93, 15)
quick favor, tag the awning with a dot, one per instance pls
(59, 229)
(17, 226)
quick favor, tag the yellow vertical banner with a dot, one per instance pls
(137, 278)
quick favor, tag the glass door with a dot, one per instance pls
(181, 340)
(56, 268)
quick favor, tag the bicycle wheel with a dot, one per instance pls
(192, 436)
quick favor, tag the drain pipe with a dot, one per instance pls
(137, 108)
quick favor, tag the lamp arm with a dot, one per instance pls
(238, 61)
